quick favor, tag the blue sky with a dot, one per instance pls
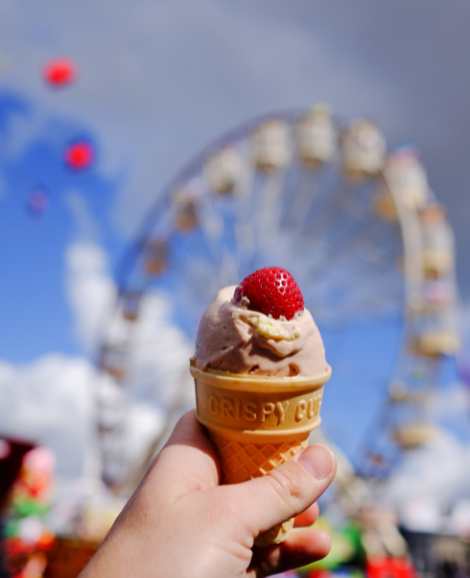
(149, 102)
(157, 82)
(34, 313)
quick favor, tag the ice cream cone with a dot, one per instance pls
(257, 423)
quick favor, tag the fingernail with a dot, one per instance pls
(317, 460)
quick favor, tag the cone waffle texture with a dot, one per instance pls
(243, 461)
(257, 424)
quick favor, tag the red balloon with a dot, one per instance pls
(60, 72)
(79, 155)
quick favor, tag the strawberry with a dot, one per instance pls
(272, 291)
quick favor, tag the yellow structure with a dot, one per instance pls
(271, 146)
(363, 150)
(223, 170)
(315, 137)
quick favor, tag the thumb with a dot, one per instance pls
(286, 491)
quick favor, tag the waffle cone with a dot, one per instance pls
(257, 423)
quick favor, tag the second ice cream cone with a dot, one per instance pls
(257, 423)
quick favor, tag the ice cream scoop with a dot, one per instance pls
(233, 338)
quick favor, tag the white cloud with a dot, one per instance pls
(156, 352)
(50, 402)
(439, 472)
(159, 354)
(143, 424)
(90, 290)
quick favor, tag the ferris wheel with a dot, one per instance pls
(355, 224)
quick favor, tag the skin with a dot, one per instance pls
(181, 522)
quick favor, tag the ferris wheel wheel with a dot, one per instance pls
(356, 225)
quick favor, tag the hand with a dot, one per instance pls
(181, 522)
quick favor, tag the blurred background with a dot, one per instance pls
(152, 153)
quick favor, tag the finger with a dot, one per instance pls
(188, 461)
(284, 492)
(300, 548)
(307, 517)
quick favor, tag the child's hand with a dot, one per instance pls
(181, 523)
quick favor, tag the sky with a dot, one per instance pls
(157, 82)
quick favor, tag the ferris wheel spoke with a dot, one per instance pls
(366, 230)
(387, 304)
(376, 256)
(200, 278)
(366, 378)
(334, 199)
(195, 263)
(293, 238)
(302, 200)
(371, 292)
(373, 284)
(214, 229)
(247, 220)
(377, 293)
(327, 217)
(212, 226)
(374, 251)
(358, 305)
(297, 218)
(266, 215)
(356, 265)
(341, 207)
(244, 231)
(173, 411)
